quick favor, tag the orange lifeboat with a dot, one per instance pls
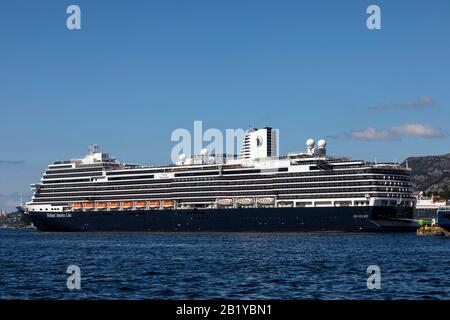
(168, 203)
(114, 205)
(88, 205)
(153, 204)
(127, 205)
(77, 206)
(100, 205)
(140, 204)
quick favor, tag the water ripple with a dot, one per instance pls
(222, 266)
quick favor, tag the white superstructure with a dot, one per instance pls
(258, 177)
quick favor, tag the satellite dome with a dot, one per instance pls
(310, 143)
(182, 157)
(189, 161)
(321, 143)
(204, 152)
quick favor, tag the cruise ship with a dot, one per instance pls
(255, 191)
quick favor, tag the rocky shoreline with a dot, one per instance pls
(15, 220)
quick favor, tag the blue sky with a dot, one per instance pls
(137, 70)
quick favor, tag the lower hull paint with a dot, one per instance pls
(361, 219)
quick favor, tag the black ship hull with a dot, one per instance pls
(443, 217)
(346, 219)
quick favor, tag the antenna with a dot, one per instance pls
(93, 148)
(21, 199)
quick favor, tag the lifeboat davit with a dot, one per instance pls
(154, 204)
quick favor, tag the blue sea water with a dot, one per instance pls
(33, 265)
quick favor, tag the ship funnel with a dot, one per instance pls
(260, 143)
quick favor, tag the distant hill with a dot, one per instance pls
(430, 174)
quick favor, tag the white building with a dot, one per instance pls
(426, 208)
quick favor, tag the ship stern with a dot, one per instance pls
(393, 219)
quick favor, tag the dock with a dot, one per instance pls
(432, 231)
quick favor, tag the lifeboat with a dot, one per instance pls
(100, 205)
(77, 206)
(127, 205)
(168, 203)
(153, 204)
(246, 201)
(140, 204)
(88, 205)
(114, 205)
(225, 201)
(266, 200)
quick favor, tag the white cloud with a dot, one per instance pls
(396, 132)
(418, 130)
(371, 134)
(11, 161)
(421, 103)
